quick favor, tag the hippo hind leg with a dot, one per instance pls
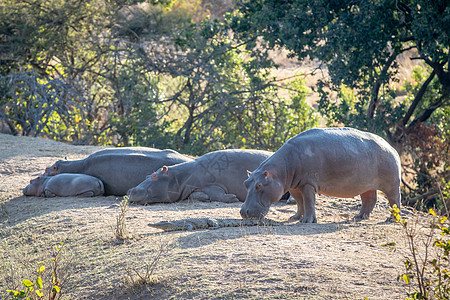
(368, 199)
(394, 197)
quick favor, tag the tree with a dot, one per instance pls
(360, 43)
(219, 95)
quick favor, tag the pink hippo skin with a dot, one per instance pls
(119, 168)
(64, 185)
(340, 162)
(216, 176)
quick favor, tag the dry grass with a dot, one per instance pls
(334, 259)
(121, 230)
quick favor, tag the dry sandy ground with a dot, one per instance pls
(334, 259)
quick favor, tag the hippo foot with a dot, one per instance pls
(48, 194)
(199, 196)
(359, 217)
(295, 217)
(312, 219)
(230, 198)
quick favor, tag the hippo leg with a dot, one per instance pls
(298, 197)
(48, 194)
(394, 197)
(86, 194)
(309, 202)
(368, 199)
(216, 193)
(199, 196)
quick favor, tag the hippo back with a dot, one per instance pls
(121, 169)
(228, 168)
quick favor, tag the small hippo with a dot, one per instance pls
(216, 176)
(119, 168)
(64, 185)
(340, 162)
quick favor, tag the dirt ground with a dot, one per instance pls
(334, 259)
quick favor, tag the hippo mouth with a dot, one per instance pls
(255, 211)
(137, 195)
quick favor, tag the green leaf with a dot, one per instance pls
(27, 283)
(56, 288)
(41, 269)
(431, 211)
(39, 282)
(39, 293)
(406, 278)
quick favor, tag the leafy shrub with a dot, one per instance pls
(428, 269)
(44, 286)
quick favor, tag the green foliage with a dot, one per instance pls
(39, 288)
(158, 74)
(361, 43)
(430, 272)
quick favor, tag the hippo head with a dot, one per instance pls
(35, 188)
(53, 169)
(263, 189)
(153, 189)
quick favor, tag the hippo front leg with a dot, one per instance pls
(309, 203)
(48, 194)
(199, 196)
(298, 197)
(216, 193)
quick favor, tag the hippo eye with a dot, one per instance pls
(54, 168)
(258, 186)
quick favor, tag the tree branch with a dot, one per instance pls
(418, 98)
(377, 85)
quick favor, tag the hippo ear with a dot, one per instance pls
(248, 173)
(165, 169)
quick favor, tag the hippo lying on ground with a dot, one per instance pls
(216, 176)
(120, 168)
(341, 162)
(64, 185)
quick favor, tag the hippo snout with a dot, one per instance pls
(253, 211)
(25, 191)
(137, 194)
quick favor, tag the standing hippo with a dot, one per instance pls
(119, 168)
(64, 185)
(216, 176)
(340, 162)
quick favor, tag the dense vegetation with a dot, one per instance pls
(189, 76)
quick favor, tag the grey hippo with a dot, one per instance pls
(340, 162)
(119, 168)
